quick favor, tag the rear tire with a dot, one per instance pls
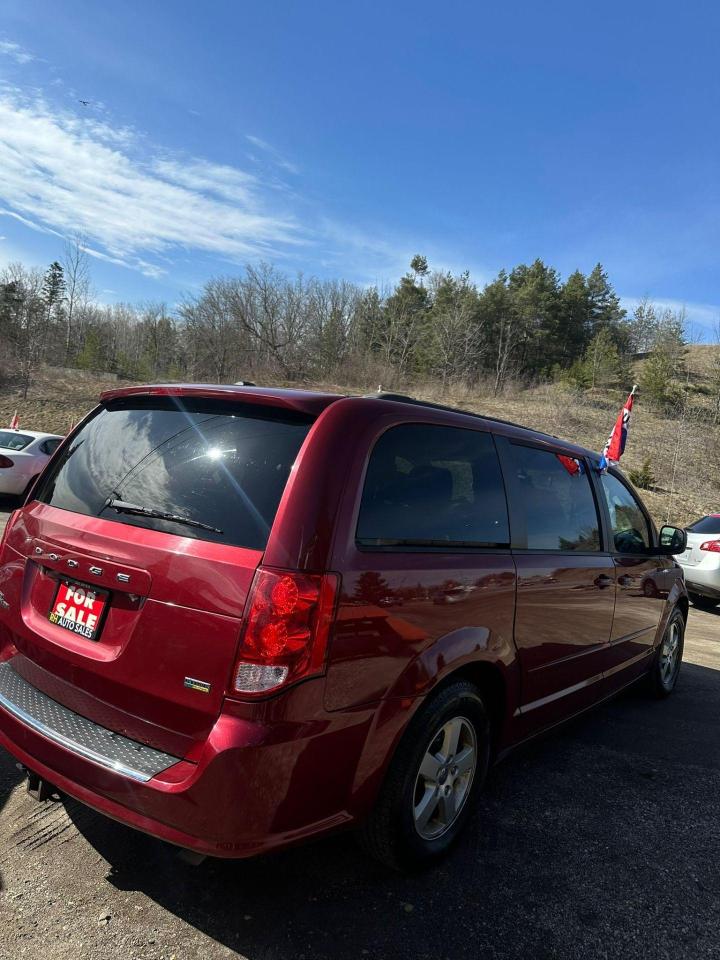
(668, 658)
(433, 782)
(703, 603)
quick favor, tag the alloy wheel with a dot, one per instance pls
(670, 655)
(444, 778)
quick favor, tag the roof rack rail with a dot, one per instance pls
(402, 398)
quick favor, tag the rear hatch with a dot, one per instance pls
(127, 575)
(703, 530)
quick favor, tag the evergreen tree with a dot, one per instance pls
(605, 309)
(574, 323)
(535, 292)
(53, 288)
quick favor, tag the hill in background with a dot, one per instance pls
(689, 448)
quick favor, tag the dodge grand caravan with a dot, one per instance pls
(235, 617)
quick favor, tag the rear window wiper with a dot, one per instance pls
(122, 506)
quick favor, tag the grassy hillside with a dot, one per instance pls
(58, 398)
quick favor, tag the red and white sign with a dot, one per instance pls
(78, 609)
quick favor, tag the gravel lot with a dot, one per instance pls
(599, 841)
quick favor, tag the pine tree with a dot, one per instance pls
(574, 322)
(53, 288)
(605, 309)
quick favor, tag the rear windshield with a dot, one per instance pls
(10, 440)
(224, 467)
(705, 525)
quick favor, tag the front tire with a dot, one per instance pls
(433, 781)
(668, 659)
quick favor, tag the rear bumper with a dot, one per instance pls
(12, 485)
(255, 787)
(703, 581)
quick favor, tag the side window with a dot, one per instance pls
(430, 486)
(629, 527)
(49, 447)
(554, 502)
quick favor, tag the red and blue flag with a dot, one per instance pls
(615, 447)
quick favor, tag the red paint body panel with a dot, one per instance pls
(256, 775)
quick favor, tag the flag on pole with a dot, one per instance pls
(15, 422)
(615, 446)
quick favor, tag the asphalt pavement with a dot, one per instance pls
(598, 841)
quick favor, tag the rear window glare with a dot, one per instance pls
(705, 525)
(220, 467)
(10, 440)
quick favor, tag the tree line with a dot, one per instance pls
(527, 324)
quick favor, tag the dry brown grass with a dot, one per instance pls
(57, 399)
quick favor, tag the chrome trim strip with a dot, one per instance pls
(56, 737)
(628, 663)
(527, 707)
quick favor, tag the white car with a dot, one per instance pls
(701, 561)
(23, 455)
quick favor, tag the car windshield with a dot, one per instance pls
(709, 524)
(197, 468)
(12, 440)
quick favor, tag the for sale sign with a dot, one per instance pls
(78, 608)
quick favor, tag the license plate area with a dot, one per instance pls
(79, 608)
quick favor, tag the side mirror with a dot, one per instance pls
(673, 540)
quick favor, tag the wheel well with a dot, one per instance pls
(491, 683)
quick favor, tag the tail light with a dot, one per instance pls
(286, 630)
(6, 462)
(712, 546)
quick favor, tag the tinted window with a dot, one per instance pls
(49, 446)
(553, 501)
(705, 525)
(433, 486)
(629, 527)
(222, 466)
(10, 440)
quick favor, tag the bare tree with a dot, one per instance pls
(30, 321)
(76, 268)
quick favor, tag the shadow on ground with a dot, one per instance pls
(600, 840)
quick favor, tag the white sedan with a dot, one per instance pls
(23, 455)
(701, 561)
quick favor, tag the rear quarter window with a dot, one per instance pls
(218, 465)
(432, 486)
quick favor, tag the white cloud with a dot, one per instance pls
(65, 173)
(15, 52)
(275, 155)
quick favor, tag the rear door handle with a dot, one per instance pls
(603, 581)
(625, 580)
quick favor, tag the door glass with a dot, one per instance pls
(430, 486)
(554, 502)
(629, 527)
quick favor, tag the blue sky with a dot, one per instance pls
(340, 139)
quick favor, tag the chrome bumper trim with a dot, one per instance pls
(81, 736)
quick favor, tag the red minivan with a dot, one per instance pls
(235, 617)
